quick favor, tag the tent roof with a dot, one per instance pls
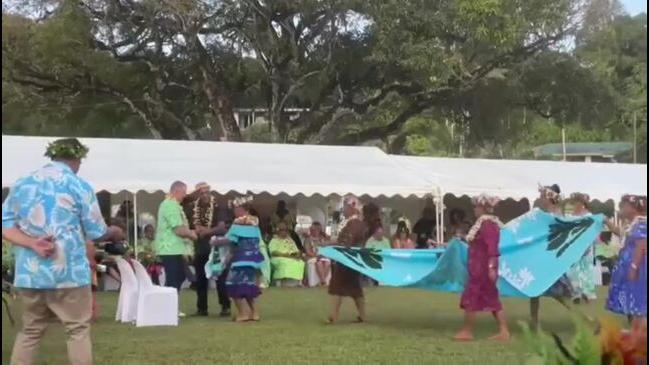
(519, 179)
(152, 165)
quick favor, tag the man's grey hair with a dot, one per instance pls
(177, 185)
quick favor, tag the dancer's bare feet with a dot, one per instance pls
(501, 337)
(463, 336)
(241, 319)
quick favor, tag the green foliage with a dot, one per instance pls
(585, 348)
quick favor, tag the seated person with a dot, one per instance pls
(402, 238)
(378, 240)
(285, 258)
(316, 239)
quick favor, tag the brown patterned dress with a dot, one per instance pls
(346, 282)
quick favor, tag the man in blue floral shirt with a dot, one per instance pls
(48, 216)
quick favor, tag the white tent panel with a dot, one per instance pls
(520, 179)
(151, 165)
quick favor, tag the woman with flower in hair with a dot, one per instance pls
(582, 274)
(242, 283)
(480, 292)
(402, 238)
(562, 291)
(628, 291)
(346, 282)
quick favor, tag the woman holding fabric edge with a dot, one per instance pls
(346, 282)
(582, 274)
(562, 291)
(628, 291)
(480, 293)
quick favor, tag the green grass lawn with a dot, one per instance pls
(406, 327)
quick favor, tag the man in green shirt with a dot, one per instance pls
(173, 236)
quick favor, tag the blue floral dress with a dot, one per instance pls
(625, 296)
(246, 261)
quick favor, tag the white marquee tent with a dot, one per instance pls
(133, 165)
(520, 179)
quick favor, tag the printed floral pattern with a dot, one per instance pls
(54, 201)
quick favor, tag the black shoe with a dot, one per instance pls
(225, 312)
(200, 314)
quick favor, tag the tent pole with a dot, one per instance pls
(441, 215)
(135, 236)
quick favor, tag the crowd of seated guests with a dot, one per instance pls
(294, 254)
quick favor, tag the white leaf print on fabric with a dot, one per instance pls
(36, 216)
(95, 214)
(66, 284)
(64, 201)
(404, 255)
(23, 281)
(32, 265)
(59, 261)
(525, 240)
(49, 173)
(519, 280)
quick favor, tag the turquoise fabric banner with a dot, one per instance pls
(536, 250)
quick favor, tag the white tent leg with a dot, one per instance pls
(135, 236)
(441, 227)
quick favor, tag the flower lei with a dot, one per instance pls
(247, 220)
(346, 221)
(476, 227)
(206, 220)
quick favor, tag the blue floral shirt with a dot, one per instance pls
(54, 201)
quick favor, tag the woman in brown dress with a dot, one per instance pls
(346, 282)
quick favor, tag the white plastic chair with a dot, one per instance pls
(157, 305)
(312, 274)
(128, 293)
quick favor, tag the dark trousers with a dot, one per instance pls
(202, 285)
(175, 273)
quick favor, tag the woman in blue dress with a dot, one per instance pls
(246, 261)
(628, 291)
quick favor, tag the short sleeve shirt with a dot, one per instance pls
(54, 201)
(170, 217)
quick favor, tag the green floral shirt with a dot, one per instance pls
(170, 217)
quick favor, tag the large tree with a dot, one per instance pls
(359, 70)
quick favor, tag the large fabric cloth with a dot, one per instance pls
(285, 267)
(54, 201)
(246, 261)
(555, 244)
(626, 296)
(170, 217)
(345, 280)
(480, 292)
